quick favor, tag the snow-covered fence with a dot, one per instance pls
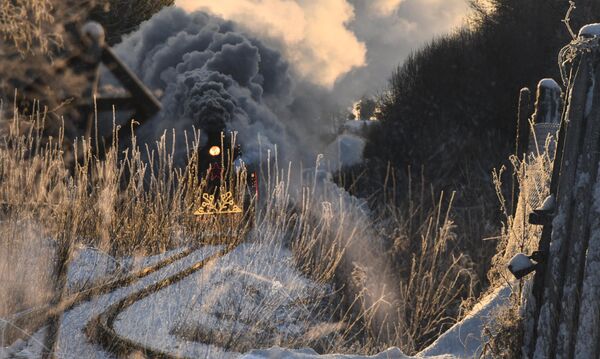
(563, 311)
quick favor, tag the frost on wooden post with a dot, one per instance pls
(568, 323)
(548, 102)
(549, 204)
(587, 169)
(590, 101)
(588, 331)
(547, 325)
(94, 31)
(519, 262)
(590, 30)
(546, 118)
(548, 309)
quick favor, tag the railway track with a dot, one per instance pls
(36, 318)
(101, 331)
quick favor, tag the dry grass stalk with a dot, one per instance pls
(505, 332)
(137, 201)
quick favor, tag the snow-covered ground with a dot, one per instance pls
(31, 348)
(464, 339)
(72, 341)
(251, 296)
(90, 267)
(273, 353)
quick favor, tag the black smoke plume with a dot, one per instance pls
(213, 76)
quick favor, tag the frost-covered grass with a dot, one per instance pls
(504, 335)
(518, 235)
(128, 207)
(312, 269)
(25, 267)
(436, 283)
(467, 339)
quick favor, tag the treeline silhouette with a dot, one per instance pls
(450, 111)
(451, 106)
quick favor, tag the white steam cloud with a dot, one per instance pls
(348, 46)
(385, 7)
(314, 34)
(390, 36)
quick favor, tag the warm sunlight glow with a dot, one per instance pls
(326, 40)
(385, 172)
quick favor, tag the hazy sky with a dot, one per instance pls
(350, 46)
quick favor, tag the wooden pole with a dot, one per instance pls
(521, 140)
(587, 337)
(547, 325)
(587, 340)
(548, 102)
(587, 169)
(523, 122)
(532, 310)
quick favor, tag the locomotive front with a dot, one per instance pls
(229, 186)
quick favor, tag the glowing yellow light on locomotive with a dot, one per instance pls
(214, 151)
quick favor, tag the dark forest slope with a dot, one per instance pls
(451, 106)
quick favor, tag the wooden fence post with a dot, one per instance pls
(521, 140)
(587, 169)
(547, 103)
(523, 122)
(587, 337)
(587, 341)
(546, 117)
(546, 122)
(547, 325)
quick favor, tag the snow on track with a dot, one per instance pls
(222, 298)
(29, 349)
(72, 341)
(202, 299)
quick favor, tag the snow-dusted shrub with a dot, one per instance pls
(505, 332)
(433, 275)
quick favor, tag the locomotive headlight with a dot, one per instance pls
(214, 151)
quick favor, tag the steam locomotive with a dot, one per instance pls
(219, 159)
(221, 167)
